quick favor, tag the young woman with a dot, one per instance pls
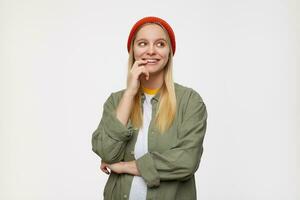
(151, 133)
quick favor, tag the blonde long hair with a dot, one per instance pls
(167, 102)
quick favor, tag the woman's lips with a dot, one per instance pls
(152, 61)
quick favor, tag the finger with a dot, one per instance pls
(141, 71)
(104, 169)
(139, 63)
(138, 71)
(103, 165)
(146, 73)
(142, 62)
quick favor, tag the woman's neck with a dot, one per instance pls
(155, 81)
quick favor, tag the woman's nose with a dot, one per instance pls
(151, 49)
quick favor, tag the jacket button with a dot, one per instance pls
(125, 196)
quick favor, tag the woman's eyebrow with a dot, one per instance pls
(155, 40)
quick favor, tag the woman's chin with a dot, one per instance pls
(154, 72)
(153, 68)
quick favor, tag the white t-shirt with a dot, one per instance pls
(138, 189)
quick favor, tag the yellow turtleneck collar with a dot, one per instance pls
(150, 91)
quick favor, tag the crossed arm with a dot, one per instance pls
(178, 163)
(129, 167)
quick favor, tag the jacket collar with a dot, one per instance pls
(155, 98)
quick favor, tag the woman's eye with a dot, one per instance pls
(142, 44)
(161, 44)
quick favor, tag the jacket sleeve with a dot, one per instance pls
(181, 161)
(110, 138)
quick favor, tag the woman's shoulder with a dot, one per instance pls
(115, 96)
(186, 93)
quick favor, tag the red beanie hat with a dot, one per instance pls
(152, 20)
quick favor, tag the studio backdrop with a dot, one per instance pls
(60, 60)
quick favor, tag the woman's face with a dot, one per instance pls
(151, 44)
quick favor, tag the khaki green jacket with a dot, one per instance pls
(173, 157)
